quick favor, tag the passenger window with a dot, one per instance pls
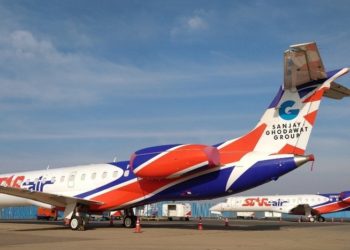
(115, 174)
(93, 176)
(71, 177)
(104, 175)
(126, 173)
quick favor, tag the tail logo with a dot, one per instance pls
(285, 111)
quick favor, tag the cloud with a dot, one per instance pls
(196, 23)
(26, 45)
(32, 68)
(191, 25)
(34, 71)
(130, 134)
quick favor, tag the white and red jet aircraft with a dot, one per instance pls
(313, 206)
(273, 148)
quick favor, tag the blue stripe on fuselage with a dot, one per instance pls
(124, 166)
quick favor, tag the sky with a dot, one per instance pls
(87, 81)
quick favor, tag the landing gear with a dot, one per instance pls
(321, 219)
(129, 219)
(317, 218)
(75, 215)
(78, 223)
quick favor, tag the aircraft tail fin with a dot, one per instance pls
(286, 125)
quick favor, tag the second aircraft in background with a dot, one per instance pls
(313, 206)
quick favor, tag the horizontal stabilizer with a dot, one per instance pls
(52, 199)
(337, 91)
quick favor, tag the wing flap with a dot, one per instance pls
(48, 198)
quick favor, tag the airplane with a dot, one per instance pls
(312, 206)
(273, 148)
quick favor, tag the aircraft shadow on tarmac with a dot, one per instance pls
(185, 226)
(192, 225)
(216, 227)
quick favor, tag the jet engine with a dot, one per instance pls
(172, 161)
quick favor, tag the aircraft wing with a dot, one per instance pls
(302, 209)
(302, 64)
(52, 199)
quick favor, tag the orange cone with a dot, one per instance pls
(226, 222)
(138, 226)
(200, 225)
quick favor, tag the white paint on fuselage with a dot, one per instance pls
(69, 181)
(273, 203)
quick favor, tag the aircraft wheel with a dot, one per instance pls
(321, 219)
(312, 219)
(74, 223)
(77, 223)
(129, 221)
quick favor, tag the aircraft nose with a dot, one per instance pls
(217, 207)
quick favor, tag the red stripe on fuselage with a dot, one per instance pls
(127, 193)
(243, 145)
(289, 149)
(333, 207)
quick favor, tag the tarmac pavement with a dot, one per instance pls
(184, 235)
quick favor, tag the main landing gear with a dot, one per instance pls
(76, 216)
(77, 223)
(129, 219)
(317, 218)
(321, 219)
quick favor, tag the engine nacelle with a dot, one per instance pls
(345, 196)
(171, 161)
